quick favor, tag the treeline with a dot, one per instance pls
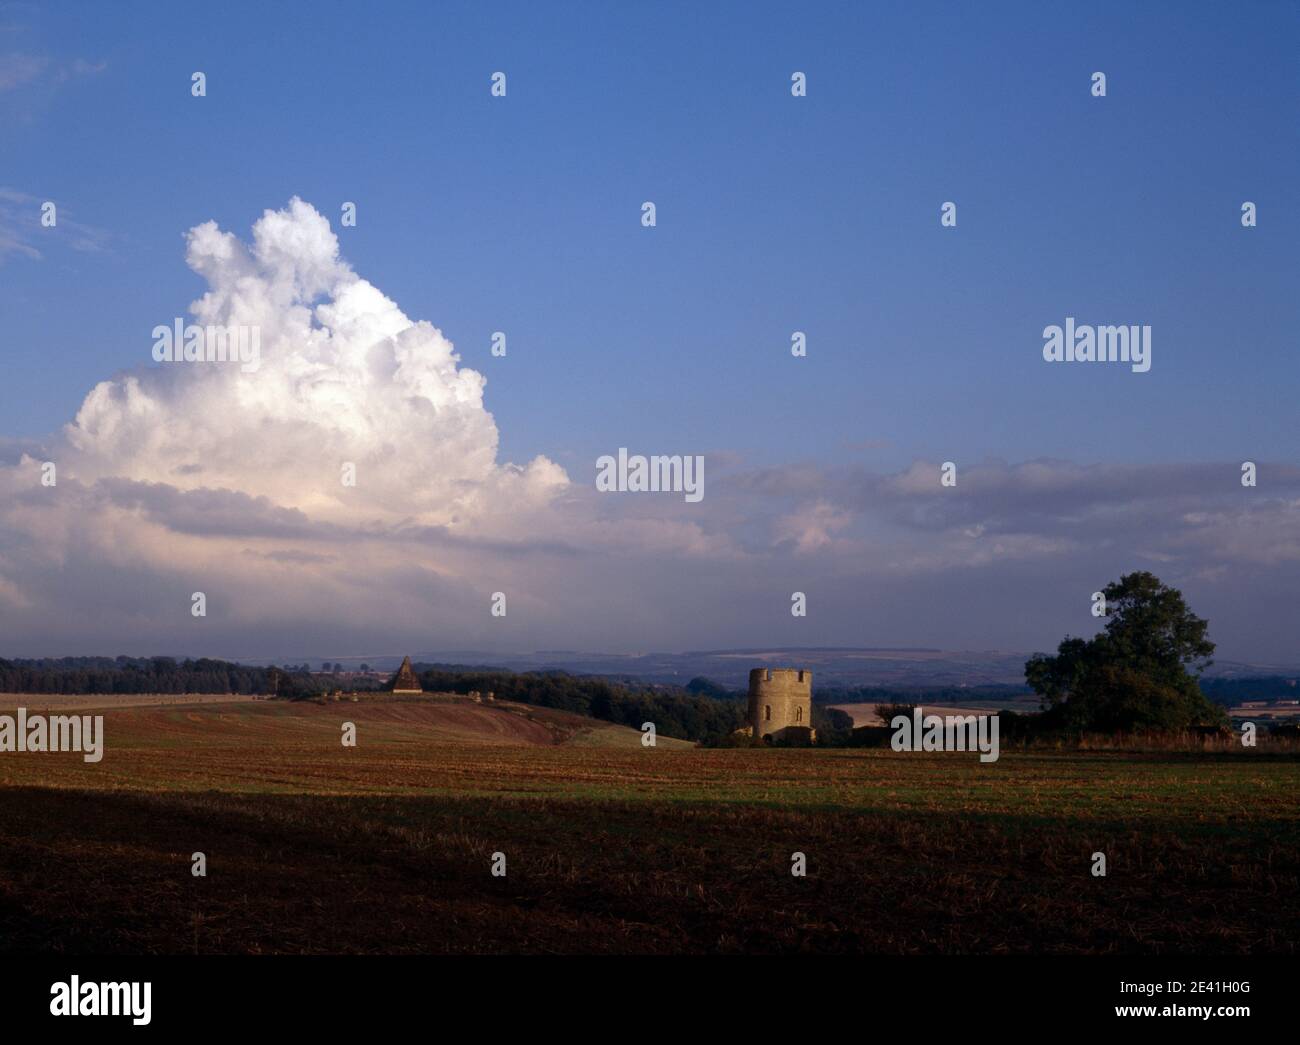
(134, 675)
(676, 712)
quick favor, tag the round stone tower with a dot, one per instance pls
(780, 703)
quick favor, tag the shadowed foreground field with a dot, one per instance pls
(612, 847)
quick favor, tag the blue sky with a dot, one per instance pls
(775, 214)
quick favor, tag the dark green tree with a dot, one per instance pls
(1141, 672)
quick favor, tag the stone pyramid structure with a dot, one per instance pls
(406, 681)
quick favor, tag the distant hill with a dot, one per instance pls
(839, 667)
(832, 666)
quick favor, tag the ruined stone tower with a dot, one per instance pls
(780, 704)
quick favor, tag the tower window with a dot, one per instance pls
(798, 714)
(767, 712)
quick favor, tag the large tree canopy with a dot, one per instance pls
(1139, 673)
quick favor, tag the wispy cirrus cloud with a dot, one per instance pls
(22, 69)
(17, 69)
(22, 234)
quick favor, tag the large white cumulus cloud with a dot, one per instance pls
(187, 477)
(345, 376)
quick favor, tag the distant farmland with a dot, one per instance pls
(614, 847)
(865, 714)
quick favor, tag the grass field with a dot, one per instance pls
(612, 847)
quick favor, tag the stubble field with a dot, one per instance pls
(612, 847)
